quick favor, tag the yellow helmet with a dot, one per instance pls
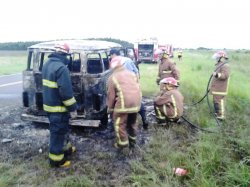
(164, 55)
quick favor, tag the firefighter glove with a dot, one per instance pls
(73, 115)
(215, 74)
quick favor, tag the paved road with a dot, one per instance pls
(11, 89)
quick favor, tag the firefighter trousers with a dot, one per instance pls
(219, 106)
(59, 136)
(142, 113)
(161, 117)
(126, 126)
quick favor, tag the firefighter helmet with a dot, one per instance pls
(169, 80)
(116, 62)
(165, 55)
(62, 48)
(219, 54)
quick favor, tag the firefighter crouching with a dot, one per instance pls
(58, 101)
(219, 84)
(123, 100)
(167, 68)
(169, 104)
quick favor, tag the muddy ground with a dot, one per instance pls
(25, 141)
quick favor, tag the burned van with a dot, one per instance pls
(89, 70)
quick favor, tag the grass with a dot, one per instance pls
(12, 62)
(212, 159)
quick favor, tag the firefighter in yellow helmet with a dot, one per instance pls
(219, 84)
(167, 68)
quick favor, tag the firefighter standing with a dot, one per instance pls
(179, 55)
(131, 66)
(169, 104)
(127, 62)
(58, 101)
(123, 100)
(219, 84)
(167, 68)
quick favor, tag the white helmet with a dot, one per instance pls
(62, 48)
(219, 54)
(116, 62)
(169, 80)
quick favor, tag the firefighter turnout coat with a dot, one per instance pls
(124, 94)
(57, 86)
(168, 69)
(219, 84)
(169, 104)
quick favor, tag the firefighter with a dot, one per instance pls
(113, 53)
(60, 105)
(130, 65)
(179, 55)
(169, 103)
(219, 84)
(123, 100)
(167, 68)
(127, 62)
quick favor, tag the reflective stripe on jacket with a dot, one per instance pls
(124, 94)
(57, 86)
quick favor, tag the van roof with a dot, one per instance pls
(77, 45)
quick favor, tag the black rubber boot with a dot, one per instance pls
(132, 143)
(145, 125)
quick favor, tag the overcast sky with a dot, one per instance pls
(183, 23)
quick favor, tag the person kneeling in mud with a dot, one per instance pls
(168, 104)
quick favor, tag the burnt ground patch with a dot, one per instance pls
(96, 157)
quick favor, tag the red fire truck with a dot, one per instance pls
(148, 50)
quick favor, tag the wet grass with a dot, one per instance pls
(211, 159)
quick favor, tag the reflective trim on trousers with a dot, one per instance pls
(222, 109)
(132, 138)
(117, 128)
(158, 115)
(54, 108)
(69, 102)
(175, 108)
(56, 157)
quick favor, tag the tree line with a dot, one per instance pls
(24, 45)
